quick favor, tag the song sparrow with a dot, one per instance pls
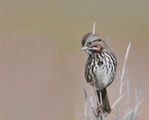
(100, 68)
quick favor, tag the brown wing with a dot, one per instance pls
(88, 75)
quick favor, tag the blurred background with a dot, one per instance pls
(41, 66)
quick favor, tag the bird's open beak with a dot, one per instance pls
(83, 48)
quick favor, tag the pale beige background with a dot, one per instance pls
(41, 67)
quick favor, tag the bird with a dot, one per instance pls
(100, 67)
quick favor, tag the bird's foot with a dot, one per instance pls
(99, 109)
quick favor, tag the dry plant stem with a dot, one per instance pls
(126, 115)
(94, 27)
(124, 66)
(86, 97)
(134, 117)
(117, 101)
(90, 110)
(128, 110)
(85, 112)
(121, 80)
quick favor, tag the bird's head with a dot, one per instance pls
(92, 43)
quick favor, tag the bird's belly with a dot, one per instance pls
(102, 79)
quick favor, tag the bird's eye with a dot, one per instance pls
(99, 40)
(90, 43)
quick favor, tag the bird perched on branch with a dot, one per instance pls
(100, 68)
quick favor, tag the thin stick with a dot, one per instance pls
(86, 97)
(126, 115)
(94, 27)
(90, 110)
(85, 112)
(117, 101)
(137, 105)
(121, 80)
(127, 97)
(124, 66)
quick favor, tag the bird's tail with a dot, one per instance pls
(105, 102)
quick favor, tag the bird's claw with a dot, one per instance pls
(99, 108)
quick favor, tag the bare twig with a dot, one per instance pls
(85, 112)
(126, 115)
(117, 101)
(121, 80)
(127, 102)
(134, 117)
(90, 110)
(90, 105)
(123, 69)
(94, 27)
